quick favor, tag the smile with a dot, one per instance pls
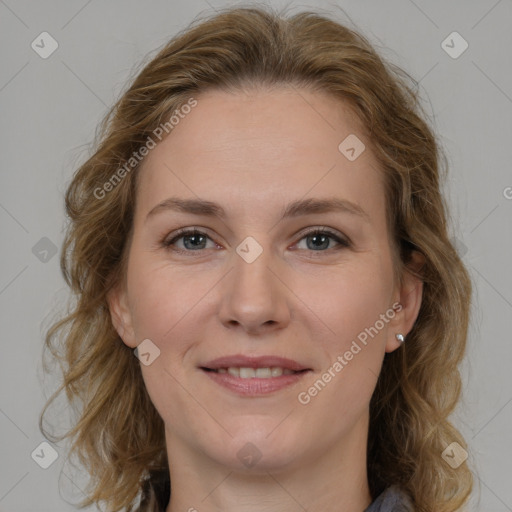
(251, 373)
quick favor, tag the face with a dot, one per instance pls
(314, 286)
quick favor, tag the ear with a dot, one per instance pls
(121, 314)
(408, 299)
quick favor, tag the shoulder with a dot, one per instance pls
(393, 499)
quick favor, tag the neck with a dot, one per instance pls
(333, 480)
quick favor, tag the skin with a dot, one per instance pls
(253, 153)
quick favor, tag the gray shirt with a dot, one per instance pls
(393, 499)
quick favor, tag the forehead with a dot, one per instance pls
(248, 149)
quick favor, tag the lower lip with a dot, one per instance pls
(255, 386)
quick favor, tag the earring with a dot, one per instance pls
(400, 338)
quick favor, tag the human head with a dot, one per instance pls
(417, 388)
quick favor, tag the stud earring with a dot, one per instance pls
(400, 338)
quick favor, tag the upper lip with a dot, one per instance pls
(241, 361)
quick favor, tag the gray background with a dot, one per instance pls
(49, 112)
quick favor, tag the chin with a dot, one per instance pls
(262, 449)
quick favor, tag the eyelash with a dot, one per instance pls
(167, 244)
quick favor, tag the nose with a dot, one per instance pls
(255, 297)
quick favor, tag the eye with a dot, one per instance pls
(320, 239)
(193, 240)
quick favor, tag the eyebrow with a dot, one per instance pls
(294, 209)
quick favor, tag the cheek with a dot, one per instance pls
(165, 306)
(354, 303)
(349, 303)
(351, 300)
(161, 298)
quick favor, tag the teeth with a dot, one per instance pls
(260, 373)
(263, 373)
(246, 373)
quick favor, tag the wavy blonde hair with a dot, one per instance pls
(119, 436)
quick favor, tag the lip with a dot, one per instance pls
(241, 361)
(254, 386)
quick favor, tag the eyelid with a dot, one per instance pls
(341, 239)
(168, 240)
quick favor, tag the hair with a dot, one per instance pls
(119, 436)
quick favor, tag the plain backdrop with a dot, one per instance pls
(50, 108)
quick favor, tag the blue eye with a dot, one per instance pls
(196, 237)
(321, 238)
(195, 240)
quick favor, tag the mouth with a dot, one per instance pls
(254, 373)
(253, 376)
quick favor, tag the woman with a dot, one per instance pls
(262, 226)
